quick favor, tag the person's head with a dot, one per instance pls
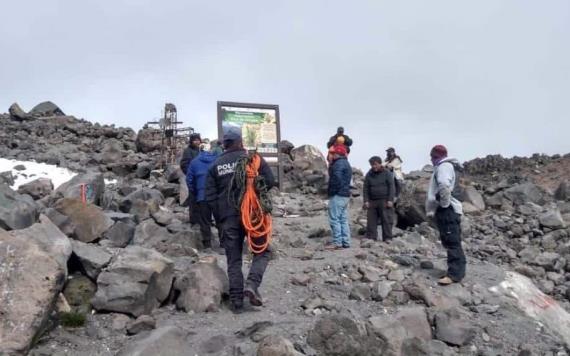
(232, 138)
(195, 140)
(390, 152)
(437, 153)
(340, 130)
(205, 147)
(376, 163)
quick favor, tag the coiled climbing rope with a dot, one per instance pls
(253, 202)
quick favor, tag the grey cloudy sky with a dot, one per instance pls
(481, 77)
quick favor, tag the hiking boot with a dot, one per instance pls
(445, 281)
(252, 293)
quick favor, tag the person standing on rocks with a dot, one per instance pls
(340, 139)
(394, 163)
(378, 193)
(196, 181)
(340, 175)
(222, 193)
(191, 152)
(447, 210)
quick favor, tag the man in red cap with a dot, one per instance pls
(340, 174)
(443, 204)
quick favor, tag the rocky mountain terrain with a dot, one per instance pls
(123, 272)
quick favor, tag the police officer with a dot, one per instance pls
(221, 194)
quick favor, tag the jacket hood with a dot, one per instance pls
(451, 160)
(207, 157)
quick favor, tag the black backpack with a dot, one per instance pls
(458, 192)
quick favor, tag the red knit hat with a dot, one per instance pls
(340, 150)
(438, 151)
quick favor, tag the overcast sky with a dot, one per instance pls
(481, 77)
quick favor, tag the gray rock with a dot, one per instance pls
(360, 292)
(30, 281)
(524, 193)
(201, 287)
(92, 258)
(274, 345)
(338, 335)
(94, 183)
(37, 188)
(418, 347)
(7, 178)
(453, 326)
(143, 170)
(381, 290)
(394, 329)
(46, 108)
(371, 273)
(49, 238)
(120, 234)
(136, 282)
(89, 221)
(547, 260)
(79, 291)
(17, 113)
(164, 341)
(396, 275)
(563, 191)
(419, 290)
(16, 211)
(472, 196)
(63, 222)
(552, 219)
(150, 235)
(142, 323)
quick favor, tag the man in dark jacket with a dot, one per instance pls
(191, 152)
(378, 193)
(196, 181)
(222, 194)
(340, 174)
(347, 141)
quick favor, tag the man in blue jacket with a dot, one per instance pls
(196, 181)
(340, 174)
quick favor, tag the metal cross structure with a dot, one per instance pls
(173, 138)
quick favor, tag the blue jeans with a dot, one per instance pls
(338, 218)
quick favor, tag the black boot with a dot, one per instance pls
(253, 294)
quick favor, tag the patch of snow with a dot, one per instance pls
(34, 171)
(110, 181)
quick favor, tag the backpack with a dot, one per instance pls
(458, 192)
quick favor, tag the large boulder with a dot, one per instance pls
(274, 345)
(453, 326)
(148, 140)
(94, 184)
(407, 323)
(474, 198)
(112, 151)
(524, 193)
(89, 221)
(141, 203)
(120, 234)
(150, 235)
(30, 281)
(552, 219)
(304, 167)
(49, 238)
(91, 257)
(38, 188)
(165, 341)
(563, 191)
(46, 108)
(136, 282)
(16, 211)
(201, 287)
(17, 113)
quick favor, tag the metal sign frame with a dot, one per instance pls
(274, 158)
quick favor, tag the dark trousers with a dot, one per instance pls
(377, 210)
(233, 236)
(194, 211)
(449, 225)
(205, 222)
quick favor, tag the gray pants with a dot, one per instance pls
(233, 236)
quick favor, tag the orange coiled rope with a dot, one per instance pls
(256, 222)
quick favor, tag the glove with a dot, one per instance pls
(389, 204)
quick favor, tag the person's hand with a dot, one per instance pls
(389, 204)
(366, 205)
(430, 215)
